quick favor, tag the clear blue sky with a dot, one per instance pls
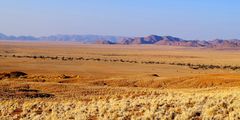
(190, 19)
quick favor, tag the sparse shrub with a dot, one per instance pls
(16, 74)
(155, 75)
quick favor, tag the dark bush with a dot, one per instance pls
(16, 74)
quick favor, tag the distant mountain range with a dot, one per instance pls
(71, 38)
(151, 39)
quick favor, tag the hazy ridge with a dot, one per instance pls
(151, 39)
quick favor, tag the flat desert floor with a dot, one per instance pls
(41, 80)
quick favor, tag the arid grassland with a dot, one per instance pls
(74, 81)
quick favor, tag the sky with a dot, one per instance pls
(188, 19)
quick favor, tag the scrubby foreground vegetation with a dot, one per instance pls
(25, 96)
(197, 105)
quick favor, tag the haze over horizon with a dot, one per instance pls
(204, 20)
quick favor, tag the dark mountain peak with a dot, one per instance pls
(217, 40)
(171, 38)
(151, 39)
(154, 36)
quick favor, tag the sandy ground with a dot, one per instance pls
(117, 82)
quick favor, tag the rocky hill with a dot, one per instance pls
(174, 41)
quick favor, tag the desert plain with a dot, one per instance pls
(60, 81)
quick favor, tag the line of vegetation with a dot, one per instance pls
(190, 65)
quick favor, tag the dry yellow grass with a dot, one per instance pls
(154, 104)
